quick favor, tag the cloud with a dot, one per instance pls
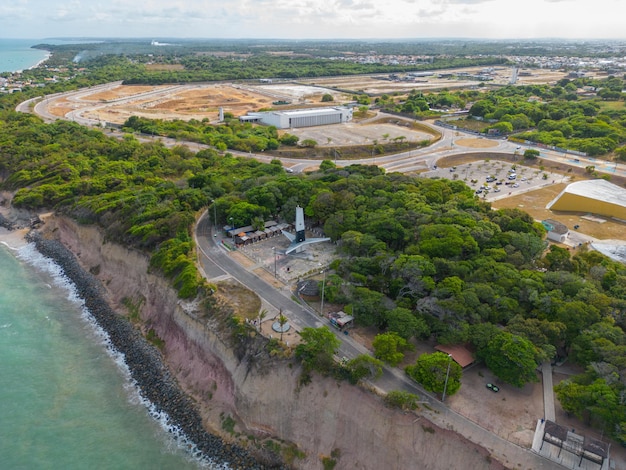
(309, 18)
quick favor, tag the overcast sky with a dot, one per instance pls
(310, 19)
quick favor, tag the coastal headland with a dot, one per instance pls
(200, 377)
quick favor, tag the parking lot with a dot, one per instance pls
(494, 179)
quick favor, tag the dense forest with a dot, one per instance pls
(418, 258)
(334, 48)
(138, 62)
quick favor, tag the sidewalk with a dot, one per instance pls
(548, 392)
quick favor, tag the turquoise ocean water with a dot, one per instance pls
(66, 400)
(16, 54)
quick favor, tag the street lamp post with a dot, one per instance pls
(214, 214)
(274, 251)
(445, 385)
(323, 287)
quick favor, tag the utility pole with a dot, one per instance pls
(214, 214)
(274, 251)
(323, 287)
(445, 385)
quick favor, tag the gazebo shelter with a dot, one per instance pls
(460, 354)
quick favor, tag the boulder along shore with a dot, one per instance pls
(145, 362)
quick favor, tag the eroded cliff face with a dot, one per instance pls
(322, 418)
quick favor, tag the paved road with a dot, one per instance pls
(216, 262)
(410, 160)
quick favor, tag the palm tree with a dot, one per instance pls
(282, 320)
(262, 315)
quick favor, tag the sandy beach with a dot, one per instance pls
(14, 239)
(11, 233)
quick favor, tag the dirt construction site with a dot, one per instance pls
(437, 80)
(203, 101)
(186, 102)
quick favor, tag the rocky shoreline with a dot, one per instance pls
(145, 362)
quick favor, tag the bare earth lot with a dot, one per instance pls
(352, 133)
(202, 101)
(192, 101)
(378, 84)
(182, 102)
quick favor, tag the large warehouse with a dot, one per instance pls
(300, 117)
(594, 196)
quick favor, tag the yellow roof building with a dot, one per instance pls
(594, 196)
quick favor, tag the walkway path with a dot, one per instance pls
(548, 392)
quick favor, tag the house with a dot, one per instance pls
(557, 232)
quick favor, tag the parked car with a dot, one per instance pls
(493, 388)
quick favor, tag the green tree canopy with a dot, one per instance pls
(317, 348)
(364, 366)
(403, 322)
(431, 370)
(512, 359)
(390, 347)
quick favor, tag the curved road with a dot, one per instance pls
(411, 160)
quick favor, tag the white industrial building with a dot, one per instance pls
(300, 117)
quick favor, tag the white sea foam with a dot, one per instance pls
(29, 254)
